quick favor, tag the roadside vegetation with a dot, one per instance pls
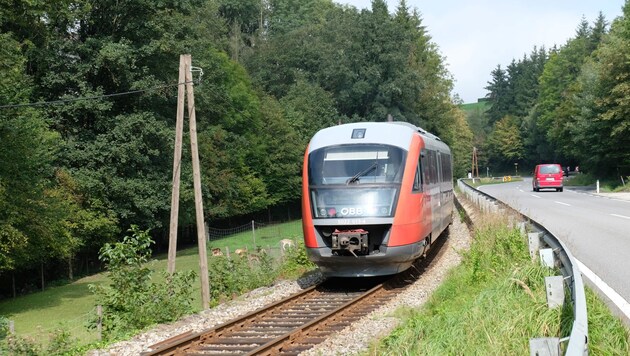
(620, 184)
(493, 303)
(494, 180)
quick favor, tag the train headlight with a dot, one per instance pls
(322, 212)
(332, 212)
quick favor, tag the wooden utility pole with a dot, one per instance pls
(177, 160)
(474, 172)
(185, 75)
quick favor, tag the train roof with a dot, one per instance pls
(395, 133)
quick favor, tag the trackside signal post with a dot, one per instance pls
(185, 77)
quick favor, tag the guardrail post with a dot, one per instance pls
(534, 244)
(547, 258)
(544, 346)
(555, 291)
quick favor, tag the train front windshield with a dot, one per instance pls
(354, 181)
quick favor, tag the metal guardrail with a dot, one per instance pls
(578, 339)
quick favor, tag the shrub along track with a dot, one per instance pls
(298, 322)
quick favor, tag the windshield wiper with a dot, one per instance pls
(356, 177)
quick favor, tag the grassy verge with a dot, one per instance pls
(71, 307)
(494, 180)
(605, 185)
(493, 303)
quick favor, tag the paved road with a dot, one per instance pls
(595, 228)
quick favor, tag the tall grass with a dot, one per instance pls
(493, 303)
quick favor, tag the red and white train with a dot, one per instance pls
(374, 197)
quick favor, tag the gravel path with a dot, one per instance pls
(351, 340)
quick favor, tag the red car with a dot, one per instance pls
(547, 176)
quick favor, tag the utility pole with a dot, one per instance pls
(475, 164)
(177, 160)
(185, 76)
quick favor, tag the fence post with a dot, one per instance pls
(254, 233)
(99, 325)
(11, 327)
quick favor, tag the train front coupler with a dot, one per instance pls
(351, 241)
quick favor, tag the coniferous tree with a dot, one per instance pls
(498, 95)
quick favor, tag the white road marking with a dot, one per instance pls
(561, 203)
(535, 196)
(621, 216)
(617, 299)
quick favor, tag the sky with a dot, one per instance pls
(476, 36)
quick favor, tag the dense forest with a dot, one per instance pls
(88, 96)
(568, 104)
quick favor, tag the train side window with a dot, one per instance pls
(433, 176)
(439, 168)
(424, 167)
(417, 180)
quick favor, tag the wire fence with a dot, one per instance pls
(255, 234)
(77, 328)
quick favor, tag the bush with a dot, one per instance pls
(16, 345)
(131, 301)
(61, 343)
(296, 262)
(234, 276)
(4, 327)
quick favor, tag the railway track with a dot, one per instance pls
(294, 324)
(298, 322)
(287, 327)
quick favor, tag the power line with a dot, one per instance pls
(104, 96)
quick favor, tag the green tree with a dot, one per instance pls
(555, 112)
(284, 148)
(233, 145)
(460, 138)
(31, 222)
(505, 143)
(612, 93)
(308, 108)
(498, 96)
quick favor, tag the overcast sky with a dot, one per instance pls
(475, 36)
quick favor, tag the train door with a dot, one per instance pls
(420, 187)
(441, 191)
(448, 184)
(434, 193)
